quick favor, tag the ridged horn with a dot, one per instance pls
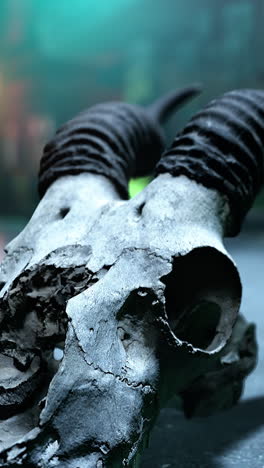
(222, 147)
(114, 139)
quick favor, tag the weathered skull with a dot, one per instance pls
(141, 295)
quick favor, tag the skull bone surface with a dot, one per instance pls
(141, 295)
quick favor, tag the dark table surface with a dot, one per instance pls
(233, 438)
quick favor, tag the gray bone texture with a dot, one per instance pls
(141, 297)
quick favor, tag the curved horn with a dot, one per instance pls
(116, 140)
(161, 109)
(222, 148)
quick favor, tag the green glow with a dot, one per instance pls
(136, 185)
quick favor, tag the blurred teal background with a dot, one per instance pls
(57, 57)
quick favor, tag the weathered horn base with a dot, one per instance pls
(222, 148)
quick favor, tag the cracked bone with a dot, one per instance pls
(146, 298)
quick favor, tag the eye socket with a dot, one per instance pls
(201, 324)
(203, 294)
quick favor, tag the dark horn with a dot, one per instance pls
(161, 109)
(222, 147)
(117, 140)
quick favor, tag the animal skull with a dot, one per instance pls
(141, 295)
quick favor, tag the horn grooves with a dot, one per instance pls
(116, 140)
(222, 147)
